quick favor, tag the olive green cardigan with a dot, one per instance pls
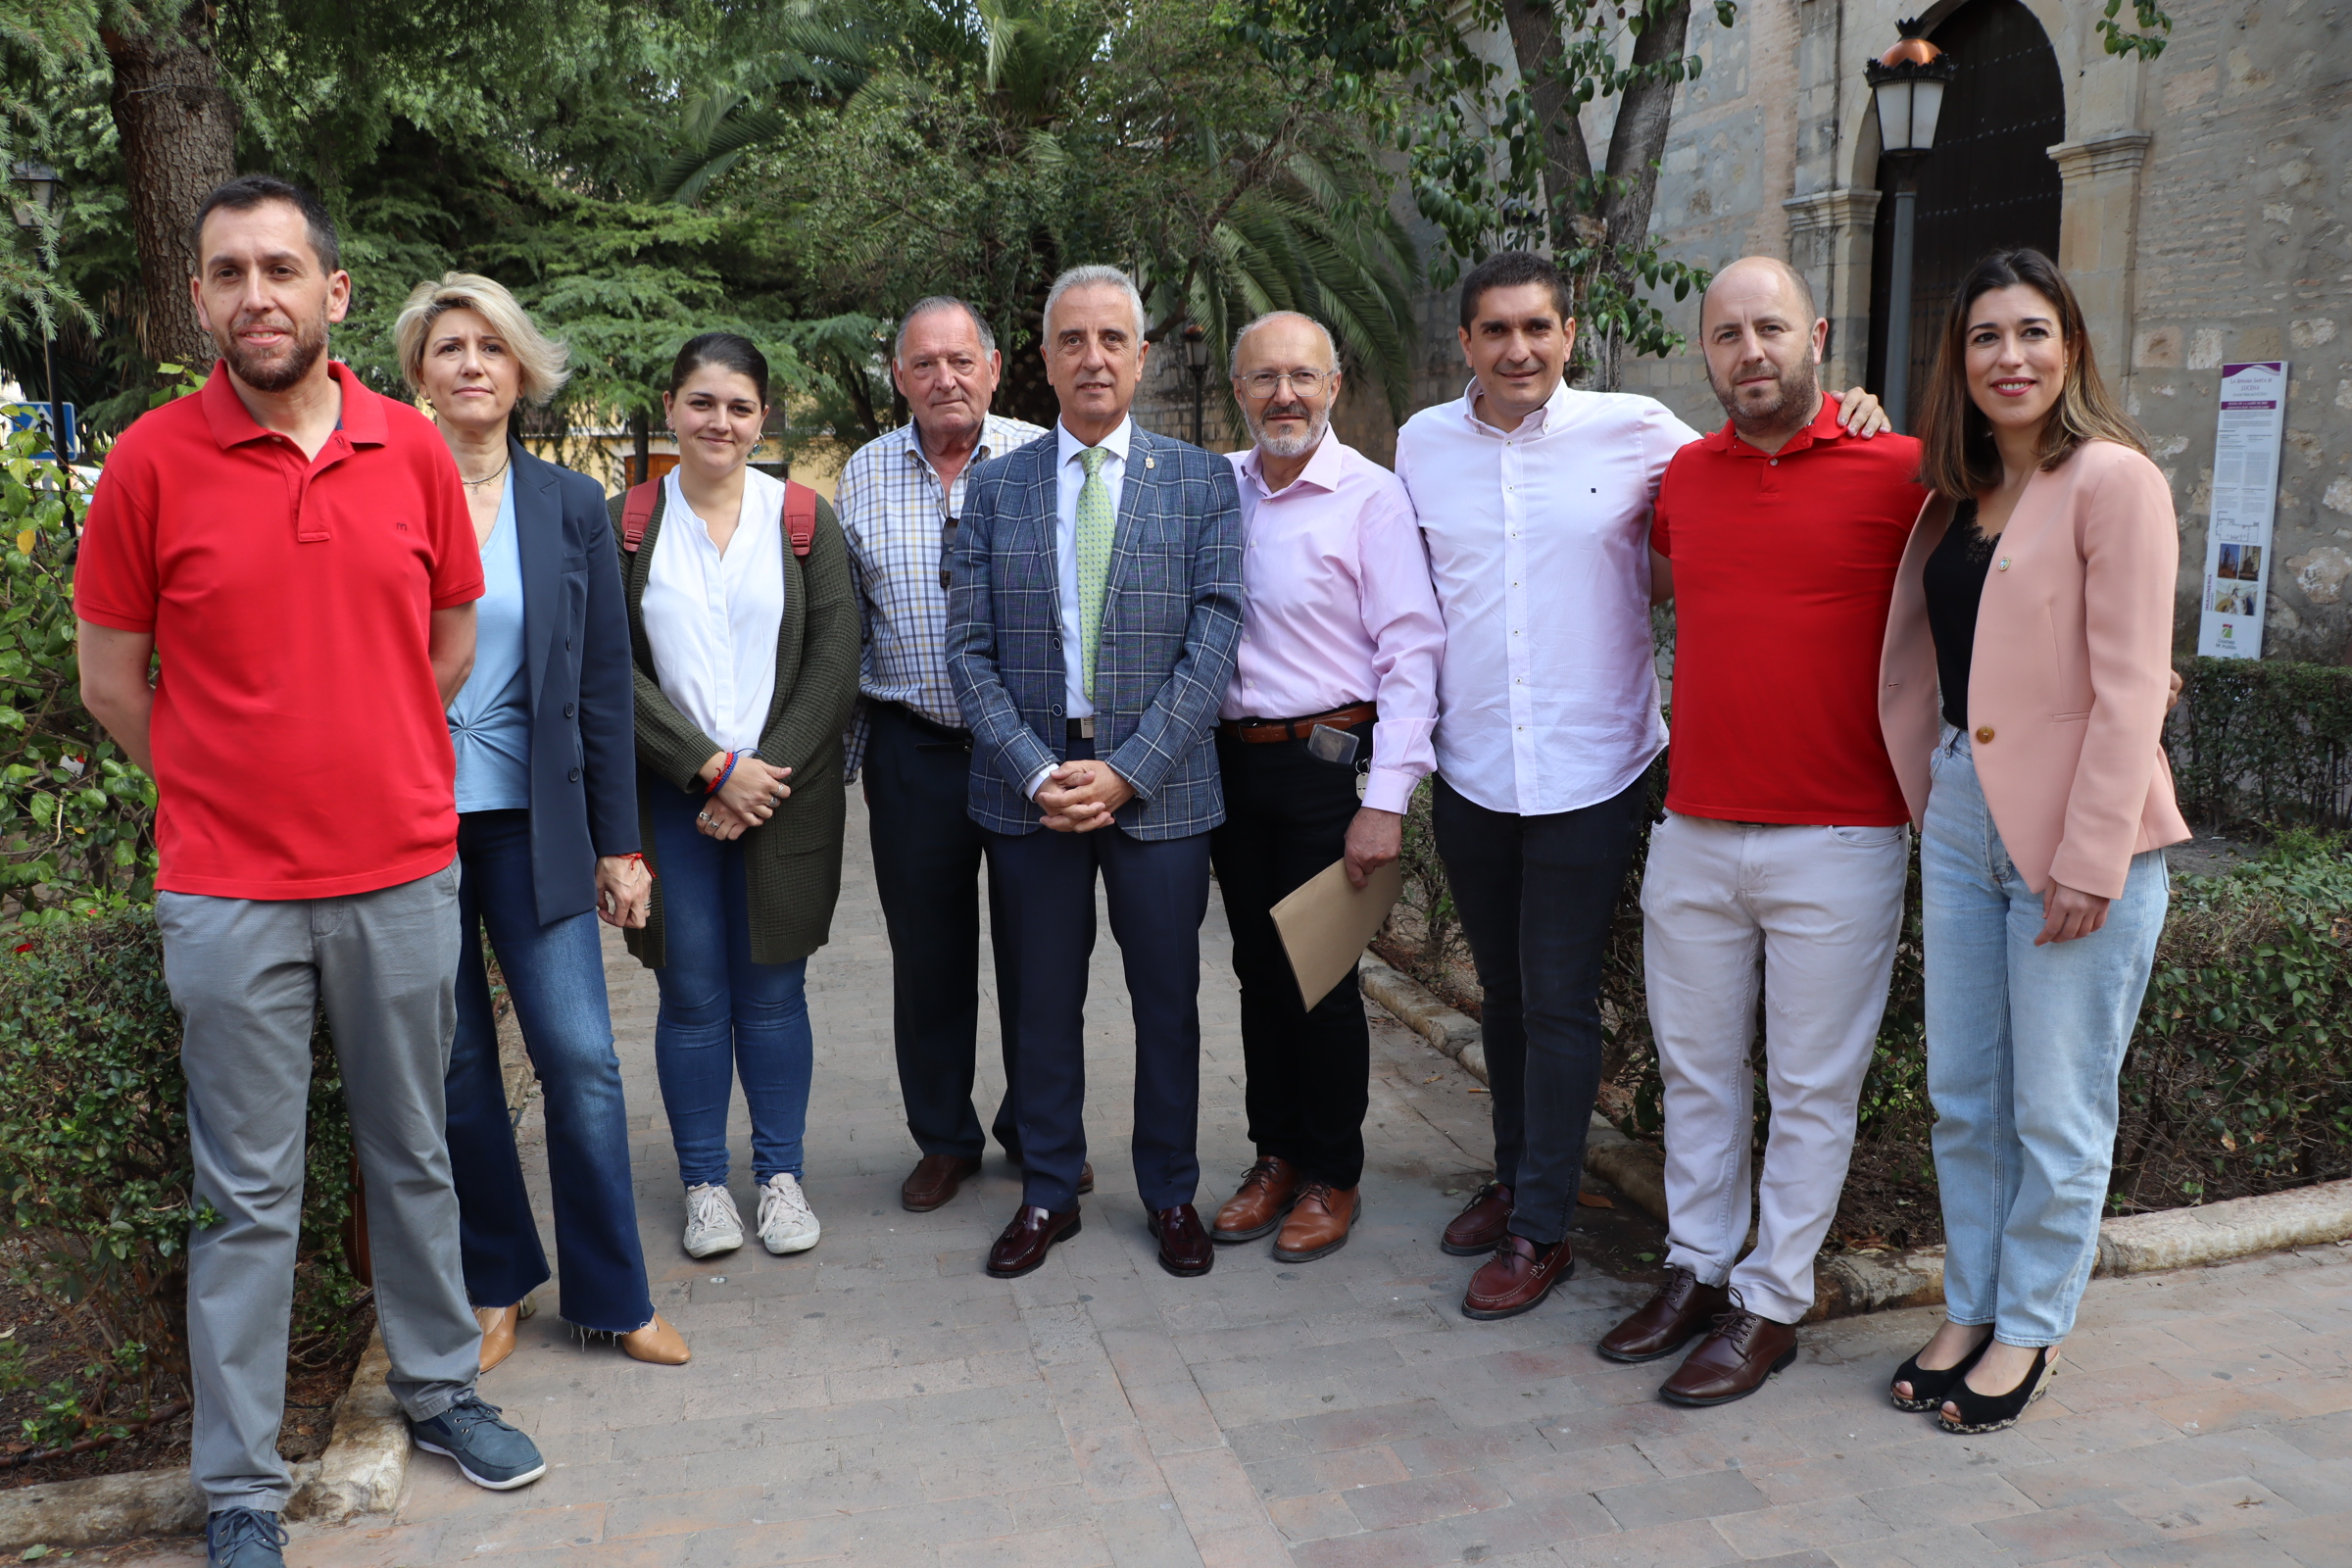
(793, 859)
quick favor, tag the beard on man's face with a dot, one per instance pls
(1757, 403)
(273, 370)
(1289, 446)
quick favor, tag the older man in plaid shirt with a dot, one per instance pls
(897, 501)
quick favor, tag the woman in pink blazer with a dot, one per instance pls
(2026, 670)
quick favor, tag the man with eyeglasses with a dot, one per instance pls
(1325, 732)
(898, 500)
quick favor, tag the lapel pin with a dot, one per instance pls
(1151, 462)
(2002, 564)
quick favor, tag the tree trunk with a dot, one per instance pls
(1640, 139)
(179, 130)
(1535, 29)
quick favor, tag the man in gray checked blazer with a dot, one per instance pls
(1094, 613)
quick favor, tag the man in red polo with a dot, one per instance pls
(1781, 860)
(297, 551)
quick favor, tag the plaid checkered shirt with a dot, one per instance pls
(896, 516)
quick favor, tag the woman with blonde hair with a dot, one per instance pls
(2027, 671)
(547, 831)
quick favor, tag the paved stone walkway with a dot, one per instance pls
(879, 1401)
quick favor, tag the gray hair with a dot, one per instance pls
(542, 360)
(1095, 276)
(943, 302)
(1331, 347)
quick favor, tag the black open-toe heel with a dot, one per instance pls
(1931, 1387)
(1991, 1412)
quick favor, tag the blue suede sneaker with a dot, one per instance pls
(243, 1538)
(489, 1453)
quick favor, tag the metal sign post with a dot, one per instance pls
(2245, 494)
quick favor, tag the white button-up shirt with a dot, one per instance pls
(1337, 608)
(713, 619)
(1539, 545)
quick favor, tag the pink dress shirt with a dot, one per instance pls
(1337, 608)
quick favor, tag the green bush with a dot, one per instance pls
(2263, 741)
(94, 1169)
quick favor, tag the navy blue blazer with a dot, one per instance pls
(1171, 627)
(575, 633)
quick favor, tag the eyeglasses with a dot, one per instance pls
(1306, 384)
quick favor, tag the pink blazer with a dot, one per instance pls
(2070, 675)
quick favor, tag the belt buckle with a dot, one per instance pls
(1085, 727)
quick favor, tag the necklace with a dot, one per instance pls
(477, 484)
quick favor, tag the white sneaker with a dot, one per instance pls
(787, 1224)
(712, 1222)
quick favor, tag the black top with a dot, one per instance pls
(1954, 580)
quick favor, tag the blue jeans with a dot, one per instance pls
(2023, 1048)
(723, 1016)
(556, 975)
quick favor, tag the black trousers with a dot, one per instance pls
(1157, 891)
(1310, 1072)
(927, 854)
(1537, 895)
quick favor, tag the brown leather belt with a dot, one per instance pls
(1266, 732)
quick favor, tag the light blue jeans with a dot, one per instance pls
(2023, 1048)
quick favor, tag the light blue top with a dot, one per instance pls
(490, 723)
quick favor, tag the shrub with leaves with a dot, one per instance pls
(95, 1170)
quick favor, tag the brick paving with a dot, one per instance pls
(879, 1401)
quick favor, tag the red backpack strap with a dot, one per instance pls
(636, 512)
(799, 515)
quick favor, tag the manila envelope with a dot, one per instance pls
(1325, 923)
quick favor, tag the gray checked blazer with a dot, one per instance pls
(1171, 622)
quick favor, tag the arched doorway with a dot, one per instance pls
(1990, 183)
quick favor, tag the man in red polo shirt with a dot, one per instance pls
(1782, 857)
(299, 553)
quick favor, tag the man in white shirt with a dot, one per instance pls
(1534, 501)
(898, 500)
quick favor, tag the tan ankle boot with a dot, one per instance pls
(657, 1343)
(498, 1332)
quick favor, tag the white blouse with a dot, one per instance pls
(713, 619)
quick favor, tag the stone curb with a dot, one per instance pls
(1873, 1281)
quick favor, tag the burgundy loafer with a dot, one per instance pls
(1184, 1250)
(1517, 1278)
(1026, 1241)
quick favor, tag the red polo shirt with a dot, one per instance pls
(300, 746)
(1784, 564)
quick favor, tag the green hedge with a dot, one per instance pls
(95, 1172)
(2263, 741)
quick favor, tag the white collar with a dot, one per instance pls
(1543, 417)
(1117, 443)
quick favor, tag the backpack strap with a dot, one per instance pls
(636, 512)
(800, 517)
(800, 514)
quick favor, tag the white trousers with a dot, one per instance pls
(1812, 916)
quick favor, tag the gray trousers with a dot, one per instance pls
(247, 976)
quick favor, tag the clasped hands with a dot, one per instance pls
(1080, 797)
(749, 798)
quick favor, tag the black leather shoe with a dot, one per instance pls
(1026, 1241)
(1184, 1250)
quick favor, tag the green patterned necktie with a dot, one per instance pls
(1096, 522)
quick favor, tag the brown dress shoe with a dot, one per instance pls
(1319, 1223)
(1678, 1313)
(934, 1180)
(657, 1343)
(1258, 1205)
(1026, 1241)
(1517, 1278)
(1478, 1228)
(498, 1332)
(1733, 1361)
(1184, 1246)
